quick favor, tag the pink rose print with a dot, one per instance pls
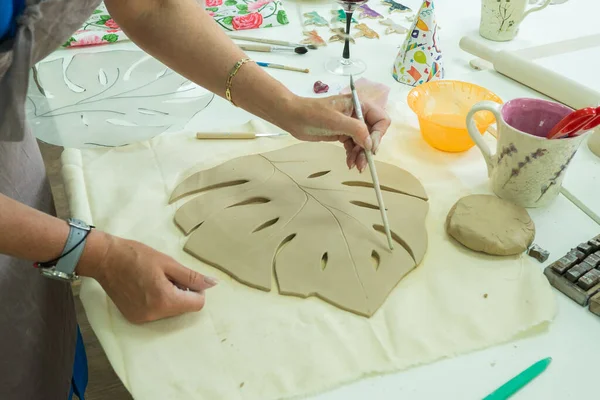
(111, 24)
(258, 4)
(249, 21)
(87, 41)
(213, 3)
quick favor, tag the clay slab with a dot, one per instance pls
(300, 215)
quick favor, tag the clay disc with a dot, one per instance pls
(490, 225)
(594, 143)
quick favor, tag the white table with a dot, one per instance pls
(572, 339)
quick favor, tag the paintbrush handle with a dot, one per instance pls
(375, 179)
(225, 135)
(256, 47)
(284, 67)
(374, 176)
(266, 41)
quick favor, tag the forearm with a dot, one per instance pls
(185, 38)
(29, 234)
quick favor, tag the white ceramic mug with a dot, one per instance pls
(527, 169)
(500, 19)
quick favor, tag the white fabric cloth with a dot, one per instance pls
(249, 344)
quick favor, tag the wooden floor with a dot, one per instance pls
(103, 382)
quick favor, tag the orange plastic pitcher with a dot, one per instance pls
(442, 108)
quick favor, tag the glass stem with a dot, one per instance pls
(346, 53)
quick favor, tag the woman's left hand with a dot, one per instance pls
(333, 119)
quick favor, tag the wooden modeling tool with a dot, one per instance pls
(270, 41)
(284, 67)
(526, 72)
(235, 135)
(273, 49)
(374, 177)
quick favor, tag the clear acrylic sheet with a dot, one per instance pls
(110, 99)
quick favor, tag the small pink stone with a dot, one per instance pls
(320, 87)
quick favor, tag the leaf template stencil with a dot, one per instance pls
(109, 99)
(298, 217)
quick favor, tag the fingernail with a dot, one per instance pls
(376, 142)
(369, 143)
(210, 281)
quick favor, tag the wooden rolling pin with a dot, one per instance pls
(566, 46)
(520, 69)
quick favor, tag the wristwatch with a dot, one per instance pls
(63, 268)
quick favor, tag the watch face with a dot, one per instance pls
(52, 273)
(79, 224)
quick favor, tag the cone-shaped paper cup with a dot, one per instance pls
(420, 58)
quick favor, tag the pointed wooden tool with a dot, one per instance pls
(374, 177)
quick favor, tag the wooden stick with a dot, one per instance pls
(284, 67)
(225, 135)
(266, 41)
(374, 177)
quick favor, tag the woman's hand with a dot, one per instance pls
(333, 119)
(144, 284)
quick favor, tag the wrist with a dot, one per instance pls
(94, 254)
(262, 95)
(285, 109)
(287, 112)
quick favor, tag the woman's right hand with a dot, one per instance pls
(144, 284)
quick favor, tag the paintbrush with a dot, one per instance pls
(272, 49)
(275, 42)
(284, 67)
(374, 177)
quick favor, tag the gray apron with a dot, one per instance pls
(37, 317)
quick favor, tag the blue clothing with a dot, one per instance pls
(80, 370)
(9, 12)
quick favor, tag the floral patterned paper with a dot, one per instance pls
(100, 28)
(237, 15)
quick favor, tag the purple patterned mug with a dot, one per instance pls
(527, 169)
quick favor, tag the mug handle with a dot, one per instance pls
(476, 135)
(534, 9)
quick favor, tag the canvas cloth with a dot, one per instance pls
(249, 344)
(37, 317)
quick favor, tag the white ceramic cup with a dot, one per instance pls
(527, 169)
(500, 19)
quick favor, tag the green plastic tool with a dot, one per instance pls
(518, 382)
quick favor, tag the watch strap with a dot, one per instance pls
(74, 247)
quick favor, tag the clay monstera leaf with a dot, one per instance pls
(300, 216)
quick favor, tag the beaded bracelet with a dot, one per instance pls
(232, 74)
